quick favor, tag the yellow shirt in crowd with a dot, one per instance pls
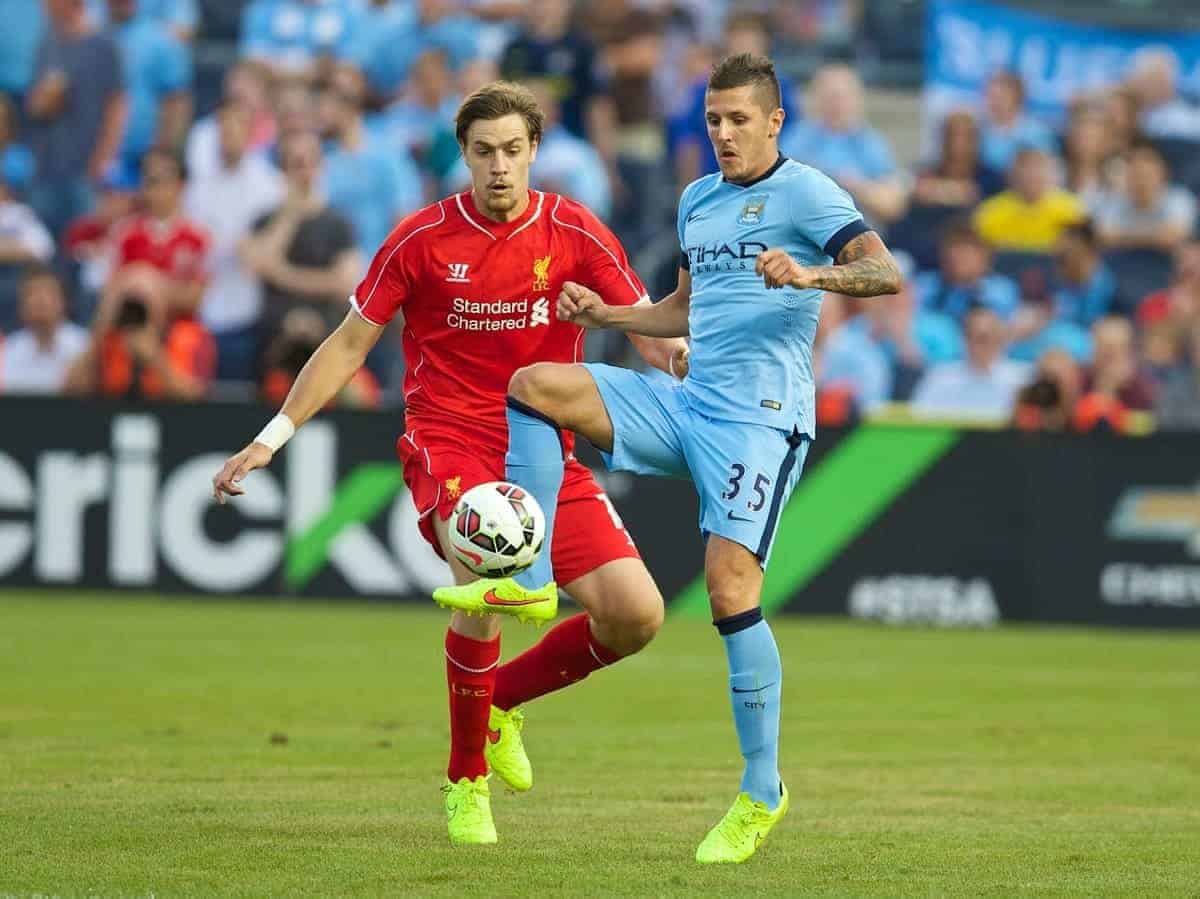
(1008, 222)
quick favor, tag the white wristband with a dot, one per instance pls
(279, 430)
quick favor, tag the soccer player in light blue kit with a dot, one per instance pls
(757, 241)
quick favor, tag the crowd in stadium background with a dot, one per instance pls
(150, 251)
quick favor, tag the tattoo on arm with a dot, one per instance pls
(864, 268)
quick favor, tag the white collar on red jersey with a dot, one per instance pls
(462, 207)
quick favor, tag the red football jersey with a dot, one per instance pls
(479, 297)
(178, 248)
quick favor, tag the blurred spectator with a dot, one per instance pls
(965, 278)
(292, 36)
(817, 23)
(304, 252)
(16, 162)
(180, 17)
(1091, 168)
(1163, 352)
(1037, 330)
(1085, 286)
(425, 110)
(227, 202)
(1151, 213)
(137, 350)
(911, 338)
(1180, 302)
(837, 140)
(158, 79)
(300, 333)
(1178, 405)
(1163, 112)
(1121, 119)
(24, 23)
(642, 188)
(23, 240)
(1005, 129)
(77, 107)
(89, 239)
(245, 84)
(164, 238)
(379, 24)
(372, 184)
(956, 178)
(392, 38)
(1031, 214)
(36, 358)
(547, 47)
(1047, 403)
(851, 362)
(1114, 372)
(984, 385)
(295, 113)
(566, 164)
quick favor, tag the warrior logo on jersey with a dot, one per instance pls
(453, 487)
(541, 273)
(752, 210)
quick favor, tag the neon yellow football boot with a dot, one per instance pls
(501, 595)
(738, 835)
(469, 812)
(504, 751)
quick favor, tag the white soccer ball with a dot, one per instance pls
(497, 529)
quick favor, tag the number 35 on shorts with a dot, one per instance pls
(758, 492)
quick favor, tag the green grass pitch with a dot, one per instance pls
(196, 747)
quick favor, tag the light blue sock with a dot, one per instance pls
(535, 462)
(755, 688)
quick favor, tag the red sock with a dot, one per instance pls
(471, 676)
(567, 654)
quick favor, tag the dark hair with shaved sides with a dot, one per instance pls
(748, 69)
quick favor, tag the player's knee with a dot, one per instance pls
(633, 627)
(733, 578)
(533, 385)
(729, 596)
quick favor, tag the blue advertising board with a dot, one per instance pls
(969, 40)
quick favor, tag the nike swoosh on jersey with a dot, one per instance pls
(733, 517)
(490, 598)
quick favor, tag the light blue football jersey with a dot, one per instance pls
(751, 348)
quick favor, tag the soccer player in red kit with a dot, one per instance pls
(475, 278)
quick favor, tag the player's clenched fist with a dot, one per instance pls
(228, 479)
(582, 306)
(778, 269)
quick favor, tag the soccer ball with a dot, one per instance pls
(497, 529)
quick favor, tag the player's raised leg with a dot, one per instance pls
(472, 658)
(543, 399)
(734, 579)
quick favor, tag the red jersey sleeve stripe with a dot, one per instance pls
(633, 286)
(399, 244)
(363, 315)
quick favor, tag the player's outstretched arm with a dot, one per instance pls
(864, 268)
(327, 371)
(666, 318)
